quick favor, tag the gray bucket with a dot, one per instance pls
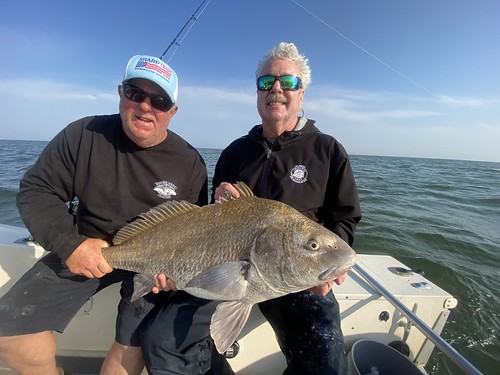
(369, 357)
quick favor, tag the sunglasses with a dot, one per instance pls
(135, 94)
(287, 82)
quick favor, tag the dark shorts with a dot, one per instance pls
(48, 296)
(177, 339)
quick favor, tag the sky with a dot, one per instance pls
(413, 78)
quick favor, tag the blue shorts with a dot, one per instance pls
(48, 296)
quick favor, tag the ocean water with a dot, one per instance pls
(440, 216)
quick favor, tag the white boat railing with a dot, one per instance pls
(441, 344)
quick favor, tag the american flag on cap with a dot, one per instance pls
(156, 66)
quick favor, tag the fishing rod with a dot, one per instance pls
(413, 82)
(194, 17)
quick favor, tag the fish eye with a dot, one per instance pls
(313, 245)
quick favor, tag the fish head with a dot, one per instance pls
(296, 254)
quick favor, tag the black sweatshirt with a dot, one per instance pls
(113, 179)
(305, 169)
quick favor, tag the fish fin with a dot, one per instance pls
(151, 218)
(243, 189)
(142, 285)
(227, 322)
(225, 281)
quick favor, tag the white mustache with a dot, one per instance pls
(276, 98)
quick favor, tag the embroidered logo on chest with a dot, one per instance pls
(165, 189)
(299, 174)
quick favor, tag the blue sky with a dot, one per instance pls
(417, 78)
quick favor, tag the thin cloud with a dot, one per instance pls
(46, 90)
(469, 102)
(365, 122)
(362, 106)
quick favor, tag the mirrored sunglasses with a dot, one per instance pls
(135, 94)
(287, 82)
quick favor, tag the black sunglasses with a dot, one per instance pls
(287, 82)
(135, 94)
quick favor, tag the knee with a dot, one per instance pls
(5, 347)
(123, 359)
(29, 351)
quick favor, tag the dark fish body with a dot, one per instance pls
(242, 251)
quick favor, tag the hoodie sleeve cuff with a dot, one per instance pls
(67, 246)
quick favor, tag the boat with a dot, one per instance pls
(391, 316)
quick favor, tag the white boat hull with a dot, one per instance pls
(365, 314)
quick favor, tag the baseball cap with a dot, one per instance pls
(155, 70)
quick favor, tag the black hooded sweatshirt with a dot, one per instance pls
(305, 169)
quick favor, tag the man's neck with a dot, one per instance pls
(272, 130)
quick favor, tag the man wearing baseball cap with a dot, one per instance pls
(115, 167)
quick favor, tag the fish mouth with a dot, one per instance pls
(329, 274)
(332, 273)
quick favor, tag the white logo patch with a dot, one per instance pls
(165, 189)
(299, 174)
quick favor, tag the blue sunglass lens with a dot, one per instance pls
(287, 82)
